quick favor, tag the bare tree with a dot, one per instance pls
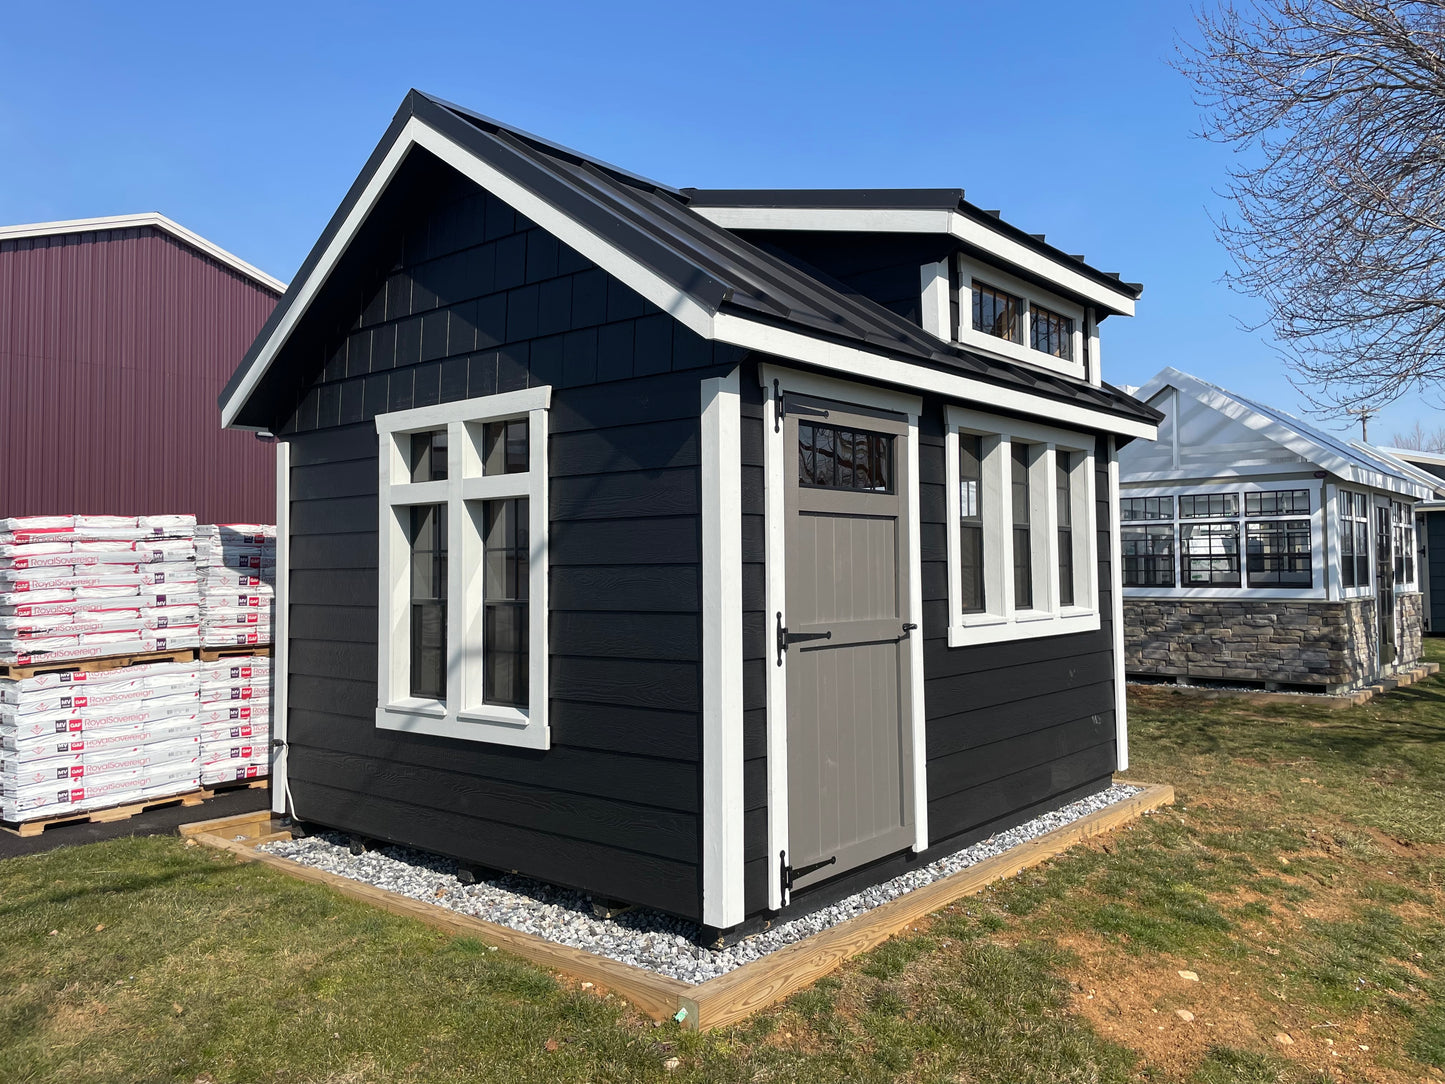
(1417, 439)
(1336, 109)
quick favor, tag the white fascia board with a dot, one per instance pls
(855, 363)
(416, 133)
(830, 219)
(148, 218)
(997, 243)
(921, 220)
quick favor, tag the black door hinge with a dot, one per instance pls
(785, 637)
(790, 875)
(780, 409)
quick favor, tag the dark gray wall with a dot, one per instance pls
(1435, 541)
(463, 299)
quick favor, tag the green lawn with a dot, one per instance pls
(1299, 877)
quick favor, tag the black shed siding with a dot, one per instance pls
(475, 300)
(1014, 729)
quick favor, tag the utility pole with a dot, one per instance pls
(1364, 413)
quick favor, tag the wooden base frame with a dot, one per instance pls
(727, 998)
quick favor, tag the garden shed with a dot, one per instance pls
(707, 551)
(1261, 550)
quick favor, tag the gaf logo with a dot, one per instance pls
(68, 726)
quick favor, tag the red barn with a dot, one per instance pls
(116, 334)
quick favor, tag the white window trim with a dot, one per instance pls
(1027, 293)
(1001, 621)
(1319, 555)
(1367, 589)
(462, 714)
(1408, 542)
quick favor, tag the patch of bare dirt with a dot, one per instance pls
(1172, 1022)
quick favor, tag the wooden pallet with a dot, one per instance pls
(727, 998)
(215, 654)
(96, 665)
(28, 829)
(210, 790)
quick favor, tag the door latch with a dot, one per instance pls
(908, 628)
(785, 637)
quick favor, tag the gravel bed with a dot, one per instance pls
(643, 938)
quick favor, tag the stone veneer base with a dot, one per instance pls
(1329, 646)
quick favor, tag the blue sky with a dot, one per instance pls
(247, 123)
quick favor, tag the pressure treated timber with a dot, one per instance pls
(738, 994)
(728, 998)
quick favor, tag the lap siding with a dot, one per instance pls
(613, 807)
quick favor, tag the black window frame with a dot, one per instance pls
(1000, 304)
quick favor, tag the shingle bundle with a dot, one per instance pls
(237, 567)
(73, 742)
(80, 587)
(235, 717)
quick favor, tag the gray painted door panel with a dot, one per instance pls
(849, 709)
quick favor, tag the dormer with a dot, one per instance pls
(961, 273)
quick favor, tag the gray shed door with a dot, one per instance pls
(846, 539)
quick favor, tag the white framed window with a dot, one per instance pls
(1005, 315)
(1354, 514)
(1022, 546)
(1403, 519)
(462, 559)
(1223, 541)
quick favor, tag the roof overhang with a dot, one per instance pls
(927, 220)
(546, 199)
(149, 218)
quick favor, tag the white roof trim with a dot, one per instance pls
(1347, 461)
(922, 220)
(148, 218)
(856, 363)
(721, 327)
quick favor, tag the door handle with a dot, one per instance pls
(785, 637)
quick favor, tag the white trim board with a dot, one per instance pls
(738, 331)
(928, 220)
(148, 218)
(280, 631)
(775, 461)
(1116, 614)
(722, 653)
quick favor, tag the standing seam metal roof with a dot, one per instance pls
(719, 270)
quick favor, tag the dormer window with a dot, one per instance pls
(1051, 333)
(996, 313)
(1014, 318)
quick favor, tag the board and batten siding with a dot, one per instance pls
(1014, 729)
(478, 300)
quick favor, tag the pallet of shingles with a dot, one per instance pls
(236, 565)
(235, 713)
(83, 587)
(74, 742)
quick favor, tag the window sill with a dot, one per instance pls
(500, 726)
(1022, 627)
